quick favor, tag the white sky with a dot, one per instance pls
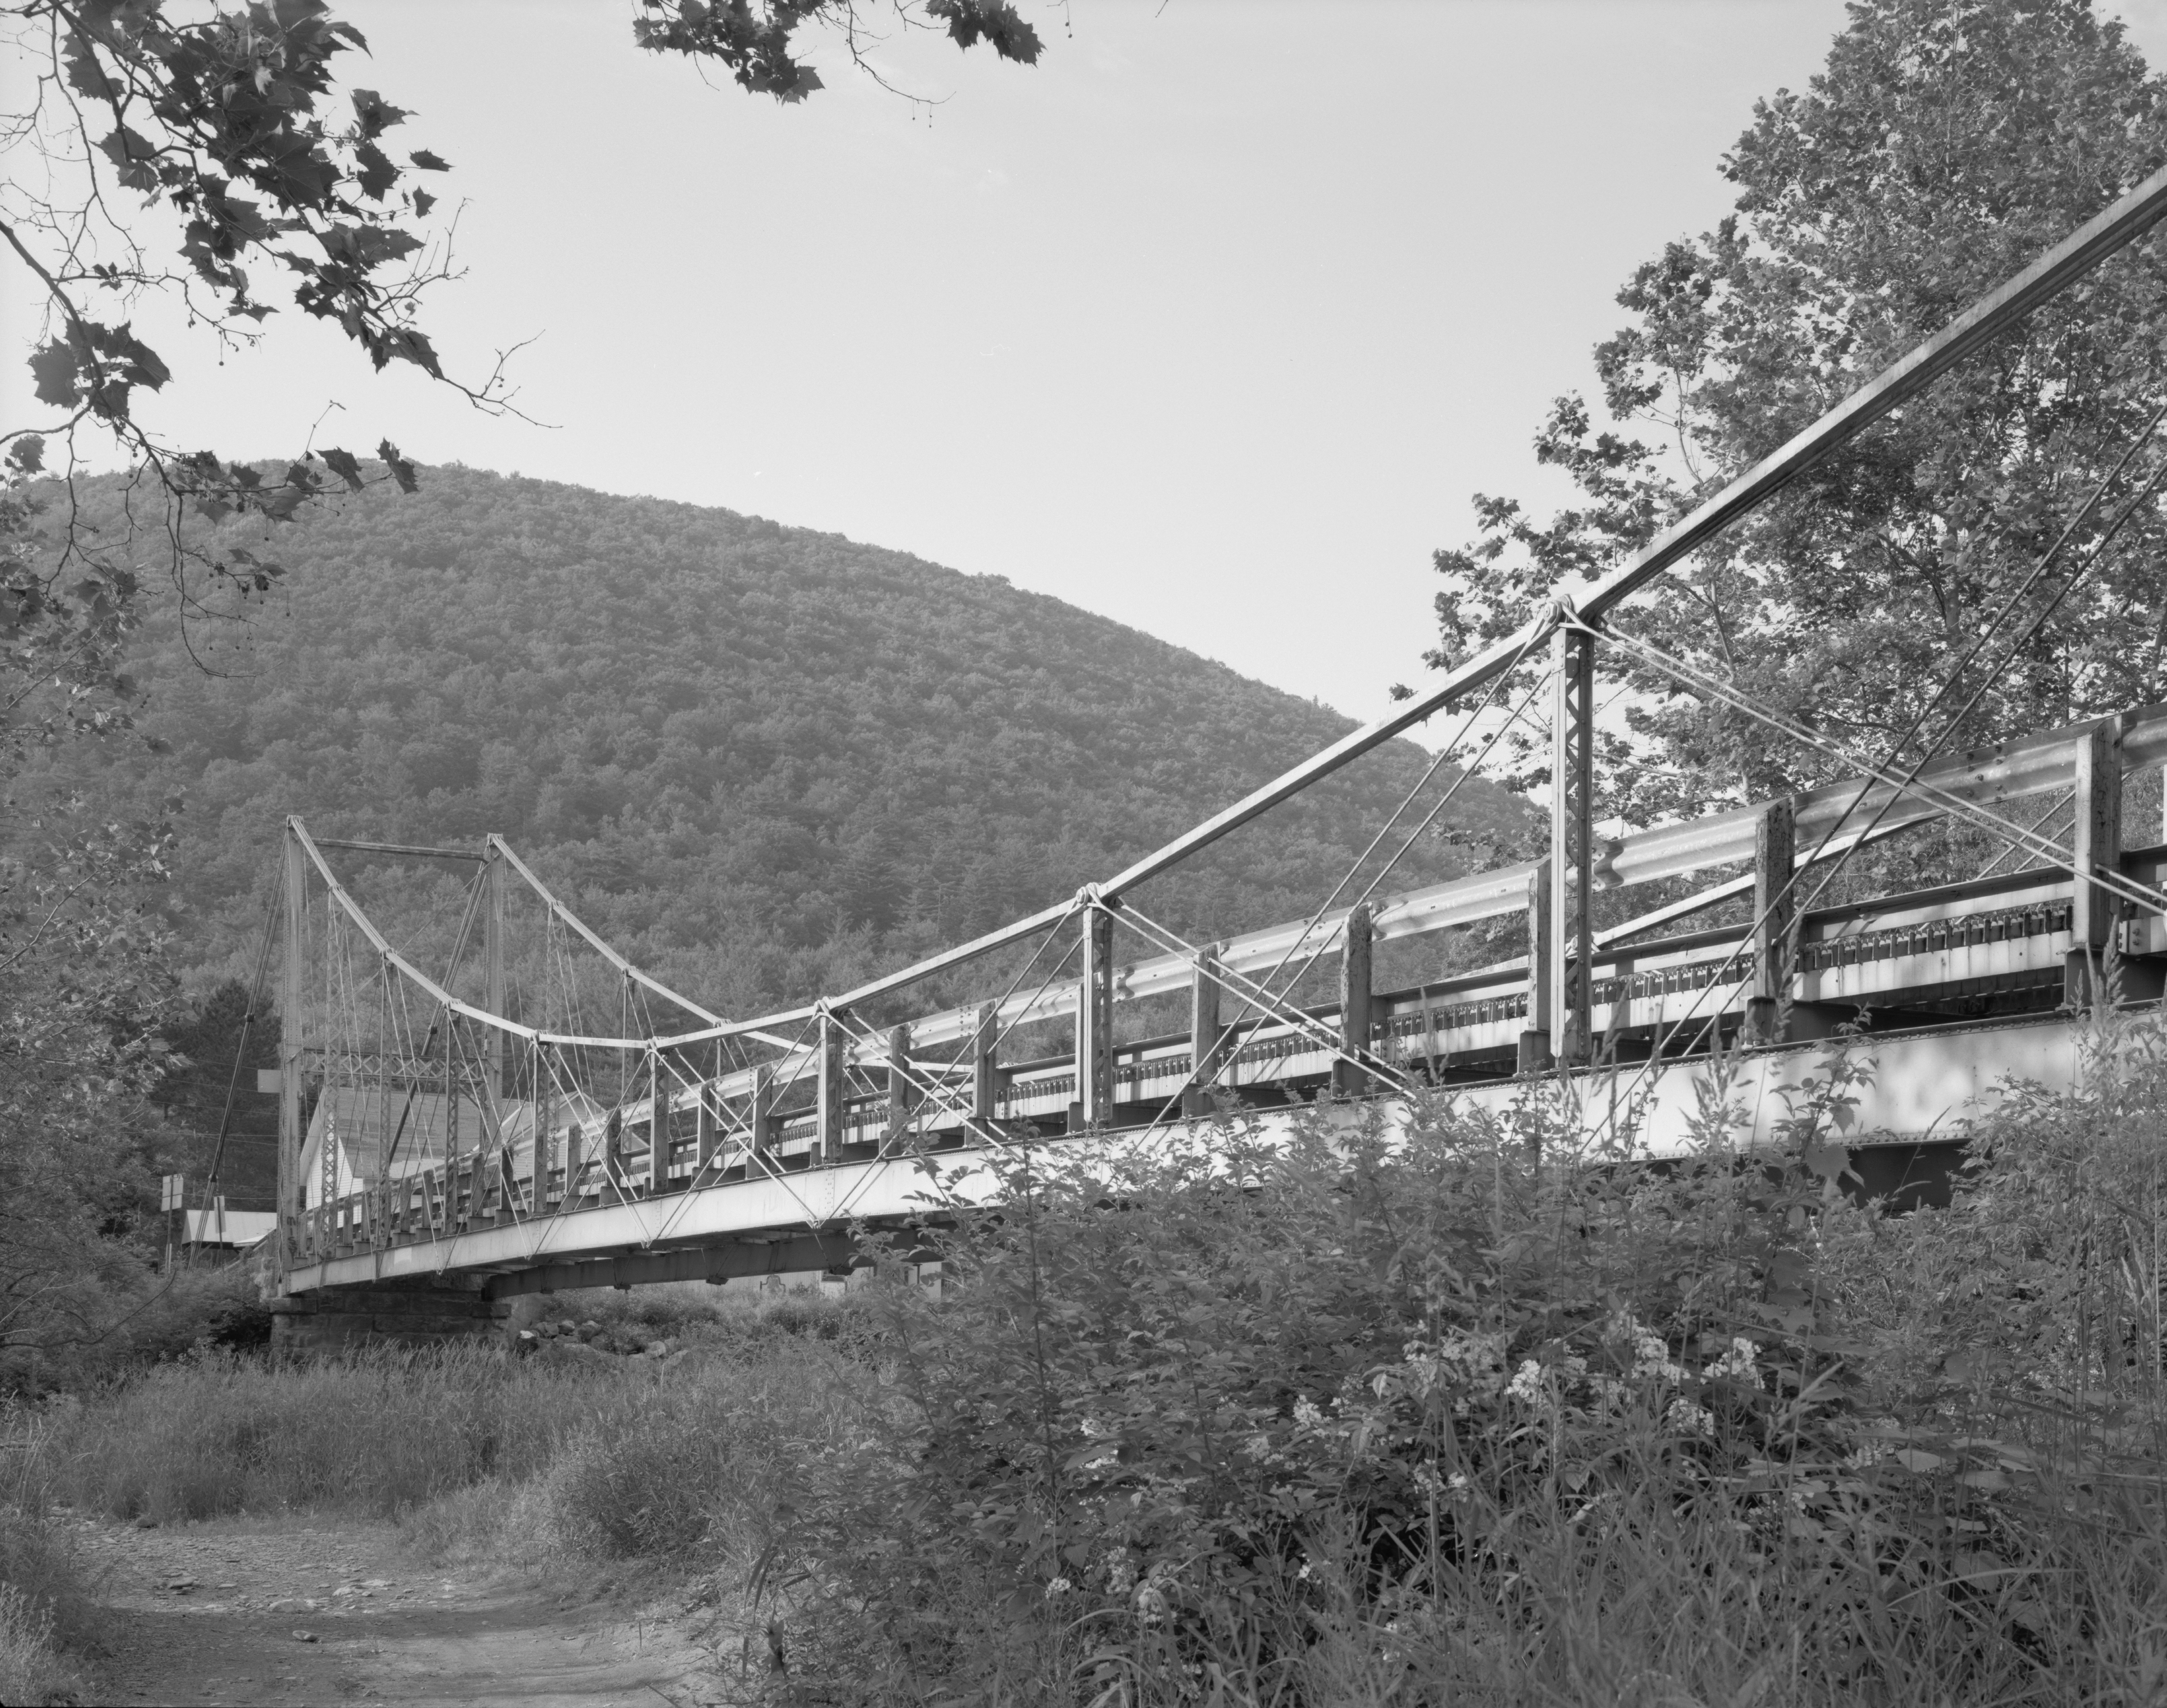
(1210, 322)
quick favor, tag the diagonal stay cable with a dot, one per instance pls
(2054, 855)
(1899, 785)
(1474, 767)
(1153, 931)
(1444, 752)
(1413, 837)
(2094, 556)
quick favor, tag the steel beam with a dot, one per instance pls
(795, 1255)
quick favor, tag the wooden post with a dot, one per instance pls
(898, 1084)
(658, 1124)
(1572, 842)
(292, 1193)
(1775, 907)
(1095, 1023)
(827, 1088)
(1206, 1032)
(1535, 1038)
(985, 1064)
(2097, 847)
(1355, 947)
(493, 996)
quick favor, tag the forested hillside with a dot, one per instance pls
(760, 759)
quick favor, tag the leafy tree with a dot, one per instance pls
(193, 155)
(1941, 150)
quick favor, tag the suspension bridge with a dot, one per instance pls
(539, 1114)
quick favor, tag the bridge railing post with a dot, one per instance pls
(1206, 1034)
(985, 1064)
(827, 1089)
(760, 1117)
(1572, 842)
(2096, 846)
(1094, 1023)
(1535, 1038)
(1356, 947)
(658, 1121)
(898, 1084)
(707, 1130)
(1775, 915)
(542, 1119)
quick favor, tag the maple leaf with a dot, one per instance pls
(133, 156)
(428, 162)
(346, 466)
(377, 173)
(55, 368)
(995, 21)
(375, 114)
(402, 471)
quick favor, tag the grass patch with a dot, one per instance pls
(1465, 1419)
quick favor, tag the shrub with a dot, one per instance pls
(1471, 1413)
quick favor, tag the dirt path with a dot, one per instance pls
(242, 1612)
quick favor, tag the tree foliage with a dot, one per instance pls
(1941, 150)
(760, 757)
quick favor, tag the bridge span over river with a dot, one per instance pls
(537, 1113)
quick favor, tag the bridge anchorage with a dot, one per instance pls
(542, 1114)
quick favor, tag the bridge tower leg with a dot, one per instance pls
(292, 1193)
(1094, 1024)
(657, 1123)
(1355, 947)
(828, 1093)
(898, 1084)
(495, 995)
(1207, 1031)
(2097, 847)
(985, 1064)
(760, 1117)
(1775, 907)
(1572, 841)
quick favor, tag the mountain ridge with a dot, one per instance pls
(759, 758)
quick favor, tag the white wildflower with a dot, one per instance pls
(1307, 1416)
(1059, 1586)
(1689, 1419)
(1527, 1383)
(1737, 1363)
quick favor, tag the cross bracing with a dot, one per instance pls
(540, 1106)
